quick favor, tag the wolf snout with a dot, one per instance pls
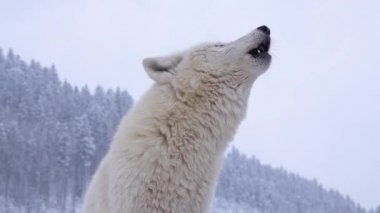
(264, 29)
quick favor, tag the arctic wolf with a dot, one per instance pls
(168, 150)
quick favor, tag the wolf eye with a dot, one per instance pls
(255, 52)
(219, 45)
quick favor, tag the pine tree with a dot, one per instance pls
(2, 59)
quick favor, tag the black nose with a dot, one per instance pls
(265, 29)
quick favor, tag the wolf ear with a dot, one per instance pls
(162, 69)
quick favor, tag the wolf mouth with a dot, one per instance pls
(262, 48)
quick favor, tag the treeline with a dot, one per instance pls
(250, 186)
(52, 135)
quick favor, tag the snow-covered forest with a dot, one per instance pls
(54, 134)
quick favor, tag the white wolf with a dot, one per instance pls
(168, 150)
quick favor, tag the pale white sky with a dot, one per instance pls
(316, 112)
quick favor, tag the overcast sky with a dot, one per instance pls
(316, 112)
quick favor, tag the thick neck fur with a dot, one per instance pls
(215, 106)
(189, 130)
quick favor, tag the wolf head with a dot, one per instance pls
(234, 65)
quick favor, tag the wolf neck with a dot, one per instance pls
(202, 121)
(191, 135)
(210, 117)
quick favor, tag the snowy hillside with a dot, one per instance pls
(257, 187)
(53, 135)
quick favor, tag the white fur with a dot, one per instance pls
(168, 150)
